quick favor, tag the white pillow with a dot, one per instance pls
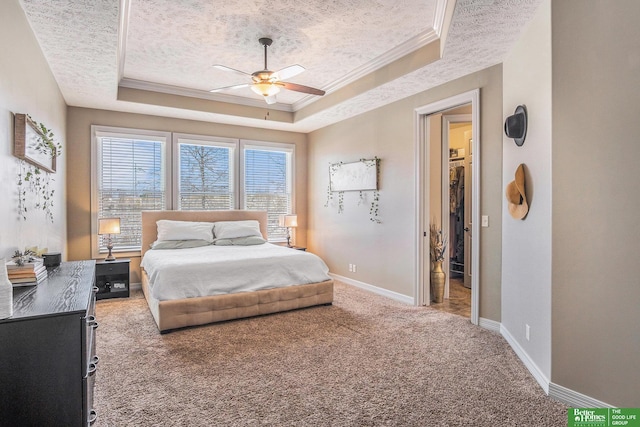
(178, 244)
(240, 241)
(233, 229)
(184, 230)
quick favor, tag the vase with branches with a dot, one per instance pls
(437, 250)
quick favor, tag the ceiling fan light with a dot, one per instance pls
(265, 89)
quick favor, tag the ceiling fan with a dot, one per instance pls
(268, 83)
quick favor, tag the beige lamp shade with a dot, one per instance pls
(109, 226)
(288, 220)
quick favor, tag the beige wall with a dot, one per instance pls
(385, 254)
(596, 237)
(79, 121)
(458, 135)
(526, 244)
(27, 86)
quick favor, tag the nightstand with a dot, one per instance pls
(298, 248)
(112, 278)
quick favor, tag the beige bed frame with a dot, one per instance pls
(181, 313)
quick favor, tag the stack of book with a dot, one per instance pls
(28, 274)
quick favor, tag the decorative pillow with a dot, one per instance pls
(178, 244)
(184, 230)
(240, 241)
(233, 229)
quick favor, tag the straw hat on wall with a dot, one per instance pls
(516, 195)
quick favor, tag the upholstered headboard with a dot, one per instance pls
(150, 230)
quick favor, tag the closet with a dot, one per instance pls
(456, 212)
(457, 209)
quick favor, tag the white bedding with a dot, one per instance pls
(217, 270)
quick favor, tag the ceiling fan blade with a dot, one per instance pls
(270, 99)
(300, 88)
(230, 87)
(233, 70)
(290, 71)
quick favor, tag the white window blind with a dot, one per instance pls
(205, 176)
(268, 184)
(130, 179)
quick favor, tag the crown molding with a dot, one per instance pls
(196, 93)
(123, 30)
(440, 16)
(386, 58)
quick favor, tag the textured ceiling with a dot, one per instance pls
(93, 46)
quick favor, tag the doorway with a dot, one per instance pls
(457, 168)
(434, 125)
(456, 219)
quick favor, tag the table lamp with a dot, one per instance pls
(109, 226)
(289, 221)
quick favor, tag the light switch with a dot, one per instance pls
(485, 220)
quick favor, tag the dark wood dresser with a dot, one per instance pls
(47, 350)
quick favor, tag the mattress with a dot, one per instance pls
(219, 270)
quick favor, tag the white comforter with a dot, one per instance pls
(216, 270)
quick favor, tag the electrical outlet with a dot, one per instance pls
(354, 268)
(485, 220)
(527, 332)
(351, 267)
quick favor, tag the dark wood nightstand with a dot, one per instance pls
(112, 278)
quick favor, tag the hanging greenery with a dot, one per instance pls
(46, 144)
(32, 181)
(374, 208)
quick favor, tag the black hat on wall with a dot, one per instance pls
(516, 125)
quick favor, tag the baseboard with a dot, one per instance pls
(489, 324)
(575, 399)
(135, 286)
(376, 290)
(524, 357)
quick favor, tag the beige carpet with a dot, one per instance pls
(365, 361)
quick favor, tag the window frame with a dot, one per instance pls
(98, 132)
(214, 141)
(290, 148)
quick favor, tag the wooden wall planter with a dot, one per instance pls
(25, 147)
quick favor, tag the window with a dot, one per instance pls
(268, 182)
(130, 176)
(136, 170)
(205, 173)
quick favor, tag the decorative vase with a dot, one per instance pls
(437, 282)
(6, 292)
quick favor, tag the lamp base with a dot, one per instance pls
(110, 256)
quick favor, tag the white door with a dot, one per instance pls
(468, 218)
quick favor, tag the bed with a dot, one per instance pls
(174, 304)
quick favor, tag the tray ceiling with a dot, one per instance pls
(170, 47)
